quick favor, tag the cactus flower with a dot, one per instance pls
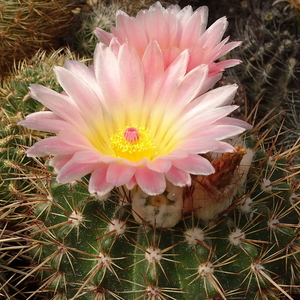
(129, 121)
(175, 30)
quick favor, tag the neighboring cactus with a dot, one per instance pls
(270, 53)
(15, 104)
(87, 248)
(27, 26)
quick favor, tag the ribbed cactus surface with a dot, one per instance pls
(84, 247)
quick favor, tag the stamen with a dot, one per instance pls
(131, 135)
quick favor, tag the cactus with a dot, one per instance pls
(230, 235)
(119, 247)
(27, 26)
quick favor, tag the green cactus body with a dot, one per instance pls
(88, 248)
(15, 105)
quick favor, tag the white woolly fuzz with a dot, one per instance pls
(206, 269)
(193, 235)
(102, 198)
(104, 259)
(256, 267)
(236, 237)
(118, 226)
(266, 185)
(246, 205)
(272, 223)
(76, 218)
(153, 254)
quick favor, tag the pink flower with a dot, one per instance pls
(175, 30)
(129, 121)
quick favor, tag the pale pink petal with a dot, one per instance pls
(132, 74)
(210, 82)
(107, 71)
(98, 184)
(177, 153)
(221, 132)
(84, 72)
(183, 14)
(213, 35)
(204, 119)
(73, 170)
(57, 162)
(178, 177)
(194, 164)
(81, 93)
(60, 104)
(172, 76)
(45, 121)
(159, 165)
(224, 147)
(221, 66)
(194, 27)
(119, 174)
(214, 98)
(170, 55)
(228, 47)
(130, 28)
(235, 122)
(192, 145)
(94, 156)
(103, 36)
(131, 183)
(153, 65)
(75, 138)
(51, 145)
(151, 182)
(191, 85)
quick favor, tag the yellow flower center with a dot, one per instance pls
(133, 143)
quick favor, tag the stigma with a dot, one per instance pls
(131, 135)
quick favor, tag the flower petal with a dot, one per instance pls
(52, 145)
(98, 184)
(194, 164)
(151, 182)
(60, 104)
(159, 165)
(73, 170)
(119, 174)
(178, 177)
(45, 121)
